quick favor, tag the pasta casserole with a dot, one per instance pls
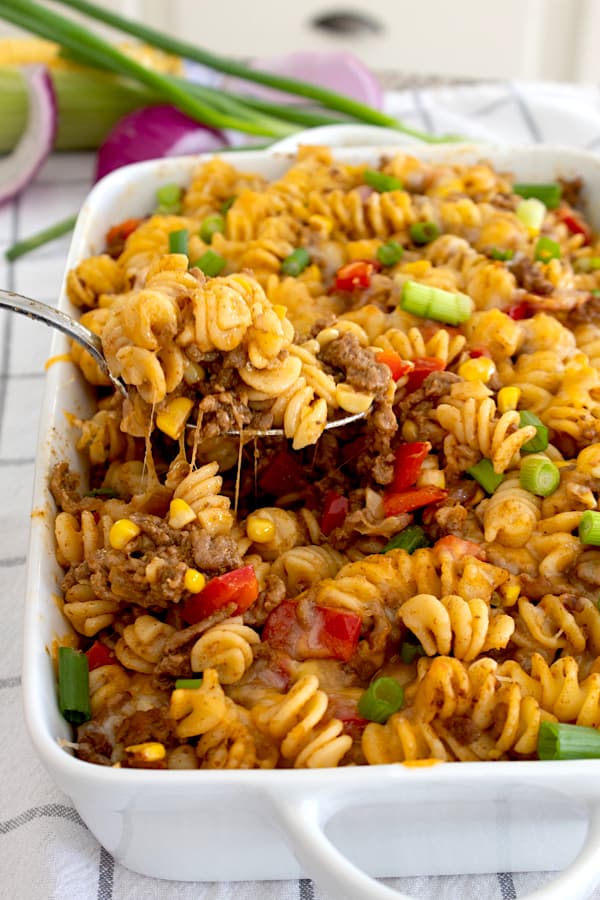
(421, 583)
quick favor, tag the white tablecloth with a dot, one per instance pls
(46, 853)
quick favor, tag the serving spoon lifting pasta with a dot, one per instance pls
(91, 342)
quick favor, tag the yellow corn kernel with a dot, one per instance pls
(121, 532)
(151, 751)
(180, 513)
(352, 401)
(260, 530)
(431, 478)
(510, 593)
(410, 432)
(280, 310)
(322, 224)
(173, 417)
(480, 369)
(588, 460)
(417, 268)
(194, 581)
(366, 249)
(508, 398)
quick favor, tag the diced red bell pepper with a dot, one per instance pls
(423, 366)
(459, 547)
(323, 633)
(407, 464)
(520, 311)
(282, 474)
(239, 586)
(356, 274)
(335, 510)
(99, 655)
(121, 231)
(407, 501)
(397, 366)
(478, 352)
(575, 223)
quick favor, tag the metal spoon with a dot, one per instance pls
(49, 315)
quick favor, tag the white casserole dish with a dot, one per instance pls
(246, 825)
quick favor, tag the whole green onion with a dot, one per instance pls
(539, 476)
(589, 527)
(73, 686)
(559, 741)
(423, 232)
(409, 539)
(381, 182)
(540, 441)
(187, 684)
(409, 652)
(178, 241)
(549, 194)
(211, 263)
(483, 472)
(383, 698)
(434, 303)
(500, 254)
(391, 253)
(210, 226)
(40, 238)
(546, 249)
(168, 198)
(296, 262)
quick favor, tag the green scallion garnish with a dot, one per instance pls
(483, 472)
(211, 263)
(391, 253)
(296, 262)
(73, 686)
(383, 698)
(540, 476)
(381, 182)
(227, 205)
(168, 198)
(540, 441)
(559, 741)
(409, 652)
(104, 493)
(212, 225)
(546, 249)
(500, 254)
(178, 241)
(589, 527)
(548, 194)
(409, 539)
(531, 213)
(423, 232)
(587, 264)
(188, 684)
(434, 303)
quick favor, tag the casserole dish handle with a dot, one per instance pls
(303, 820)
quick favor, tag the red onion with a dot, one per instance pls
(35, 144)
(154, 132)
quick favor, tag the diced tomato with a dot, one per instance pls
(239, 586)
(346, 710)
(99, 655)
(397, 366)
(323, 633)
(457, 547)
(520, 311)
(356, 274)
(121, 231)
(478, 352)
(407, 464)
(335, 510)
(394, 504)
(575, 223)
(423, 366)
(282, 475)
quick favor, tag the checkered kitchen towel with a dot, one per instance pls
(46, 852)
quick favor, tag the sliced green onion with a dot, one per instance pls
(540, 441)
(40, 238)
(104, 493)
(589, 527)
(423, 232)
(409, 652)
(212, 225)
(434, 303)
(483, 472)
(168, 198)
(549, 194)
(296, 262)
(546, 249)
(73, 686)
(178, 241)
(559, 741)
(391, 253)
(409, 539)
(531, 213)
(381, 182)
(502, 255)
(188, 684)
(540, 476)
(211, 263)
(595, 293)
(587, 264)
(383, 697)
(227, 205)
